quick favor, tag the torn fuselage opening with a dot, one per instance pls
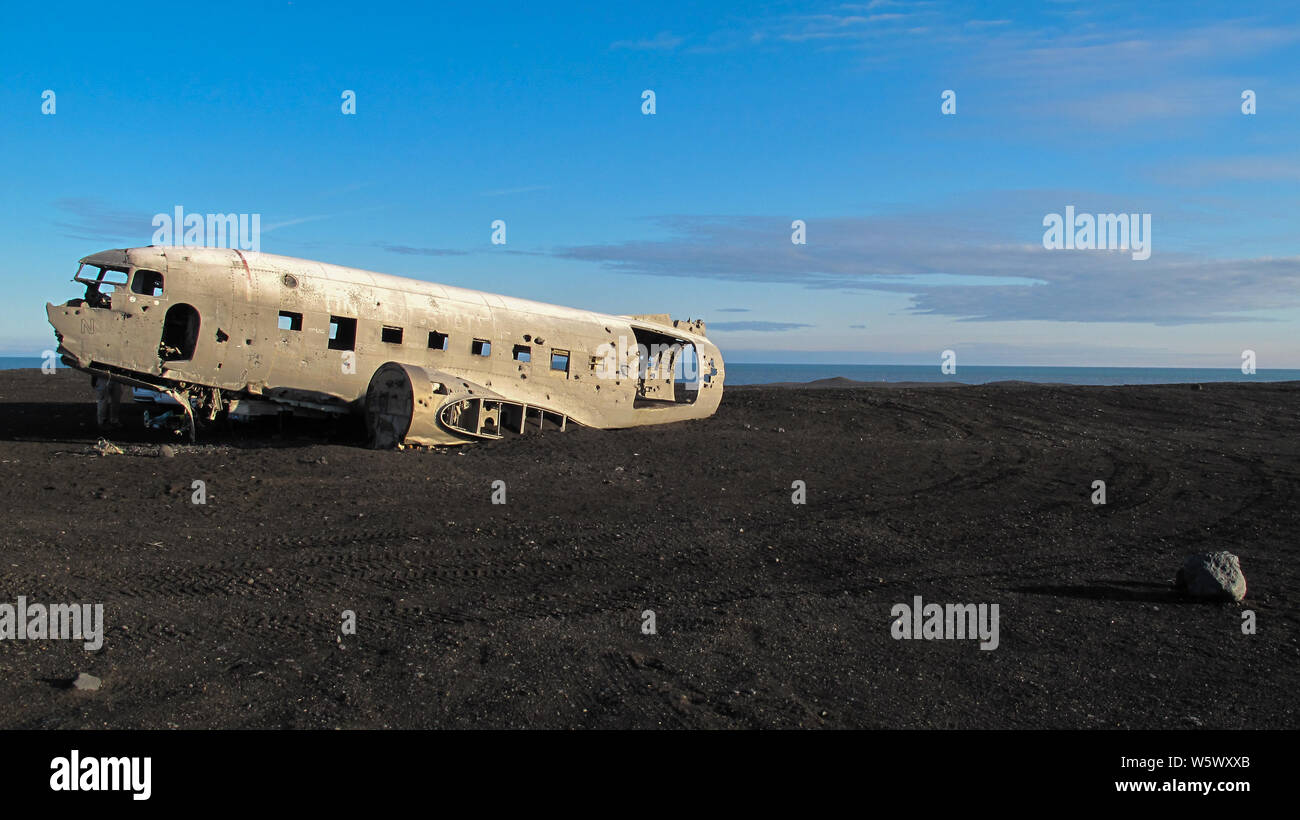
(666, 368)
(180, 333)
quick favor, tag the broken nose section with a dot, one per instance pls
(74, 326)
(69, 324)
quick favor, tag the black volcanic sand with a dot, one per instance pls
(768, 613)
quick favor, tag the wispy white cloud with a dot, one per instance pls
(296, 221)
(946, 262)
(526, 189)
(837, 28)
(1090, 71)
(93, 220)
(663, 41)
(408, 250)
(1240, 169)
(756, 326)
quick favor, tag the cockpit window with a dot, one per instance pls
(100, 283)
(147, 282)
(93, 274)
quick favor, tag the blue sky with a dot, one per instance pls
(924, 231)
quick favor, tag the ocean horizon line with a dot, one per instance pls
(758, 373)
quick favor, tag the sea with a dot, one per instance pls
(742, 373)
(747, 373)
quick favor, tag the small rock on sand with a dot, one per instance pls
(1216, 576)
(86, 682)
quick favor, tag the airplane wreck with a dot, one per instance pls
(234, 334)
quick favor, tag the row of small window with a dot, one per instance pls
(343, 336)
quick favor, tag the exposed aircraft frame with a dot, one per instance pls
(231, 332)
